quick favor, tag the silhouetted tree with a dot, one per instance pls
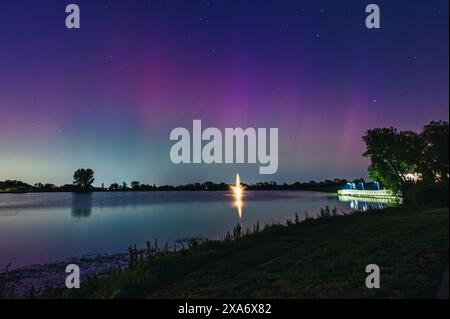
(435, 165)
(393, 155)
(114, 187)
(135, 185)
(390, 156)
(83, 179)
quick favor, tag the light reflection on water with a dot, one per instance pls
(238, 194)
(45, 227)
(366, 203)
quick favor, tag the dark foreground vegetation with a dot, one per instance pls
(315, 258)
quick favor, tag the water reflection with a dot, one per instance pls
(238, 203)
(238, 193)
(366, 203)
(81, 205)
(67, 225)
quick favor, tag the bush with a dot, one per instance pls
(426, 194)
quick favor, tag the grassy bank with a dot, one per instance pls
(321, 258)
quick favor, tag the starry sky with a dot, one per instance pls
(107, 95)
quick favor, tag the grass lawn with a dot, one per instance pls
(321, 258)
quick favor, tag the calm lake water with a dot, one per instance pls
(46, 227)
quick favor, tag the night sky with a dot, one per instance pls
(106, 96)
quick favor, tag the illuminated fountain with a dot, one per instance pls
(238, 191)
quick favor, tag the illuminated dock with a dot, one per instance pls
(381, 193)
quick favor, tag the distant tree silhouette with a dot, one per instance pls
(15, 186)
(135, 185)
(38, 185)
(83, 179)
(114, 187)
(18, 186)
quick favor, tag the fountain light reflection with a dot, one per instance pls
(238, 194)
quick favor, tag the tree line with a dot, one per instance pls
(84, 178)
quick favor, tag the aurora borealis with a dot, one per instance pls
(106, 96)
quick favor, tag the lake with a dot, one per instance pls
(47, 227)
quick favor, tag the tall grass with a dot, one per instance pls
(153, 249)
(137, 256)
(5, 286)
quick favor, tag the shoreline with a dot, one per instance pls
(197, 270)
(172, 190)
(37, 278)
(272, 261)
